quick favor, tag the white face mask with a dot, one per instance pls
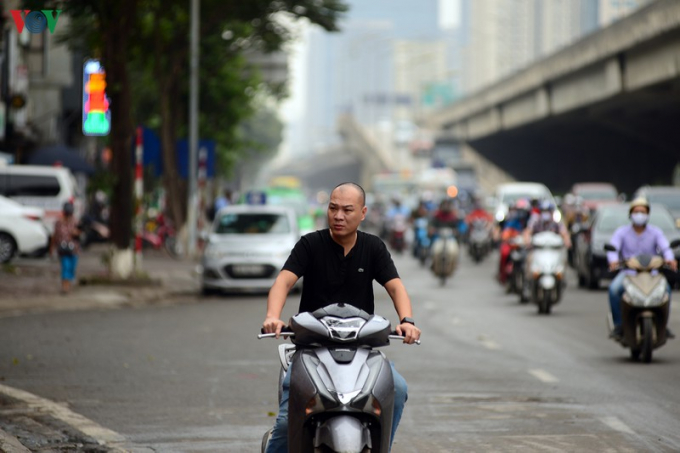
(639, 218)
(545, 216)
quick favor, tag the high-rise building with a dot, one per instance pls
(613, 10)
(354, 70)
(503, 36)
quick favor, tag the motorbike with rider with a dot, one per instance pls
(420, 218)
(445, 247)
(396, 220)
(479, 222)
(639, 295)
(338, 266)
(511, 249)
(546, 259)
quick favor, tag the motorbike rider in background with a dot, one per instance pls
(630, 240)
(444, 217)
(513, 225)
(420, 219)
(478, 213)
(546, 222)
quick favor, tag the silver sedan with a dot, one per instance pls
(247, 246)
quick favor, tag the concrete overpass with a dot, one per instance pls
(605, 108)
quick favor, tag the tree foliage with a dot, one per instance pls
(144, 47)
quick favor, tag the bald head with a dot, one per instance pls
(352, 187)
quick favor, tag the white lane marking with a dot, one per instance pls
(543, 376)
(82, 424)
(488, 343)
(617, 425)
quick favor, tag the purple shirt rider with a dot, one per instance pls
(629, 243)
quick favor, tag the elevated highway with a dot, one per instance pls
(605, 108)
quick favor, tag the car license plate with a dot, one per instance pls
(248, 269)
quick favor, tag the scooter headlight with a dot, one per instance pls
(343, 329)
(638, 298)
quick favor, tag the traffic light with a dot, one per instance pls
(96, 113)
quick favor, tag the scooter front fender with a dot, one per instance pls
(343, 433)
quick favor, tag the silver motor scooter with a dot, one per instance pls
(445, 255)
(341, 388)
(544, 270)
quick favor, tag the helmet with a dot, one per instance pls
(522, 204)
(547, 206)
(640, 201)
(68, 208)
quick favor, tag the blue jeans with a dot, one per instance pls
(278, 443)
(68, 266)
(615, 294)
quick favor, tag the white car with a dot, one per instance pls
(41, 186)
(22, 230)
(507, 195)
(247, 246)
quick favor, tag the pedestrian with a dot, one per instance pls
(66, 244)
(324, 258)
(223, 201)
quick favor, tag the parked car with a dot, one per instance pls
(590, 258)
(247, 246)
(41, 186)
(668, 196)
(22, 230)
(507, 194)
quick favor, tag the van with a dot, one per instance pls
(45, 187)
(507, 195)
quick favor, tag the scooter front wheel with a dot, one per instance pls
(647, 339)
(265, 439)
(545, 305)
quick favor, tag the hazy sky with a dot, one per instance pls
(449, 13)
(292, 109)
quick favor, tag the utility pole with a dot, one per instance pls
(192, 205)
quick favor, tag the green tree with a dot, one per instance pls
(153, 37)
(227, 88)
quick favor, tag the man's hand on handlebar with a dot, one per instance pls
(672, 265)
(410, 332)
(273, 325)
(614, 266)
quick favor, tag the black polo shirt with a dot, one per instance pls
(330, 277)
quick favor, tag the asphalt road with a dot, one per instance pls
(490, 375)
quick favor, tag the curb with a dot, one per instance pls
(91, 431)
(10, 444)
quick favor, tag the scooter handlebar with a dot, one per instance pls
(289, 333)
(394, 336)
(285, 332)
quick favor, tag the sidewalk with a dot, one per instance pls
(32, 285)
(29, 286)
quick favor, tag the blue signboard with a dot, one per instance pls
(255, 197)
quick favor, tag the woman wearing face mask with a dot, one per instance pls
(630, 240)
(545, 221)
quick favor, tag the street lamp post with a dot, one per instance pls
(192, 201)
